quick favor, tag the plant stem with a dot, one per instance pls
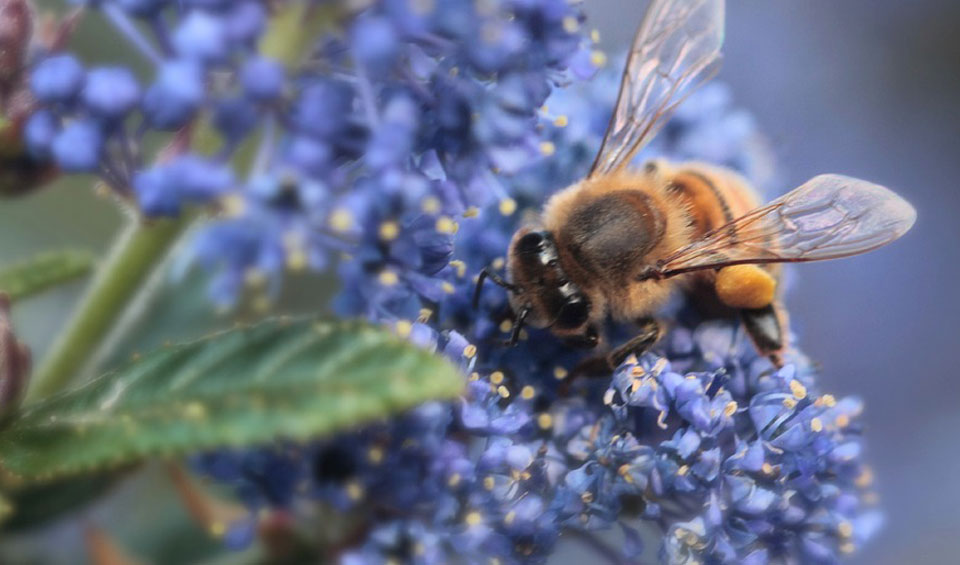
(129, 263)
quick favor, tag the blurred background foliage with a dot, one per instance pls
(868, 88)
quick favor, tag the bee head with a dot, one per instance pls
(541, 293)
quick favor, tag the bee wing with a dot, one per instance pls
(828, 217)
(676, 49)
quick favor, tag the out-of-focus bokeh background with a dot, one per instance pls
(869, 88)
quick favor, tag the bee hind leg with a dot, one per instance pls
(765, 328)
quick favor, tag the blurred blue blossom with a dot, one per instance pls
(403, 152)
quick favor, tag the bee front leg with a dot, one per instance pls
(602, 365)
(765, 328)
(638, 345)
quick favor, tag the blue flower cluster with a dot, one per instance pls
(730, 460)
(382, 137)
(408, 145)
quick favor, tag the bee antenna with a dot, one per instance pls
(517, 326)
(485, 274)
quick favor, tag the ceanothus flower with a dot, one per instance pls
(402, 153)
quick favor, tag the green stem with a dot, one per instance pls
(132, 259)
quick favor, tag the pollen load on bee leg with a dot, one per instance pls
(745, 286)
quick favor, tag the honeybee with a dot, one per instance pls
(619, 242)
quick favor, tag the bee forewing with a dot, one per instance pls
(828, 217)
(676, 49)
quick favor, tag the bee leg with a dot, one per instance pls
(638, 345)
(765, 328)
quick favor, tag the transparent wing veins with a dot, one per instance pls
(829, 217)
(676, 49)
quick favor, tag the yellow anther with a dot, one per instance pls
(470, 351)
(683, 470)
(460, 266)
(508, 206)
(798, 390)
(816, 425)
(448, 288)
(842, 421)
(232, 205)
(217, 528)
(587, 497)
(388, 278)
(296, 259)
(341, 220)
(789, 403)
(865, 478)
(506, 326)
(598, 58)
(510, 517)
(389, 231)
(730, 409)
(473, 518)
(496, 377)
(498, 263)
(403, 327)
(545, 421)
(847, 548)
(445, 224)
(430, 205)
(471, 212)
(595, 35)
(454, 480)
(845, 529)
(570, 24)
(561, 121)
(375, 455)
(489, 483)
(527, 392)
(559, 373)
(624, 471)
(424, 316)
(354, 490)
(767, 469)
(474, 376)
(608, 397)
(503, 392)
(547, 148)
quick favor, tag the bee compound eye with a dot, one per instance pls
(532, 242)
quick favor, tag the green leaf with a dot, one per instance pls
(279, 380)
(43, 271)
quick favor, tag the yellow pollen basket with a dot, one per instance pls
(745, 286)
